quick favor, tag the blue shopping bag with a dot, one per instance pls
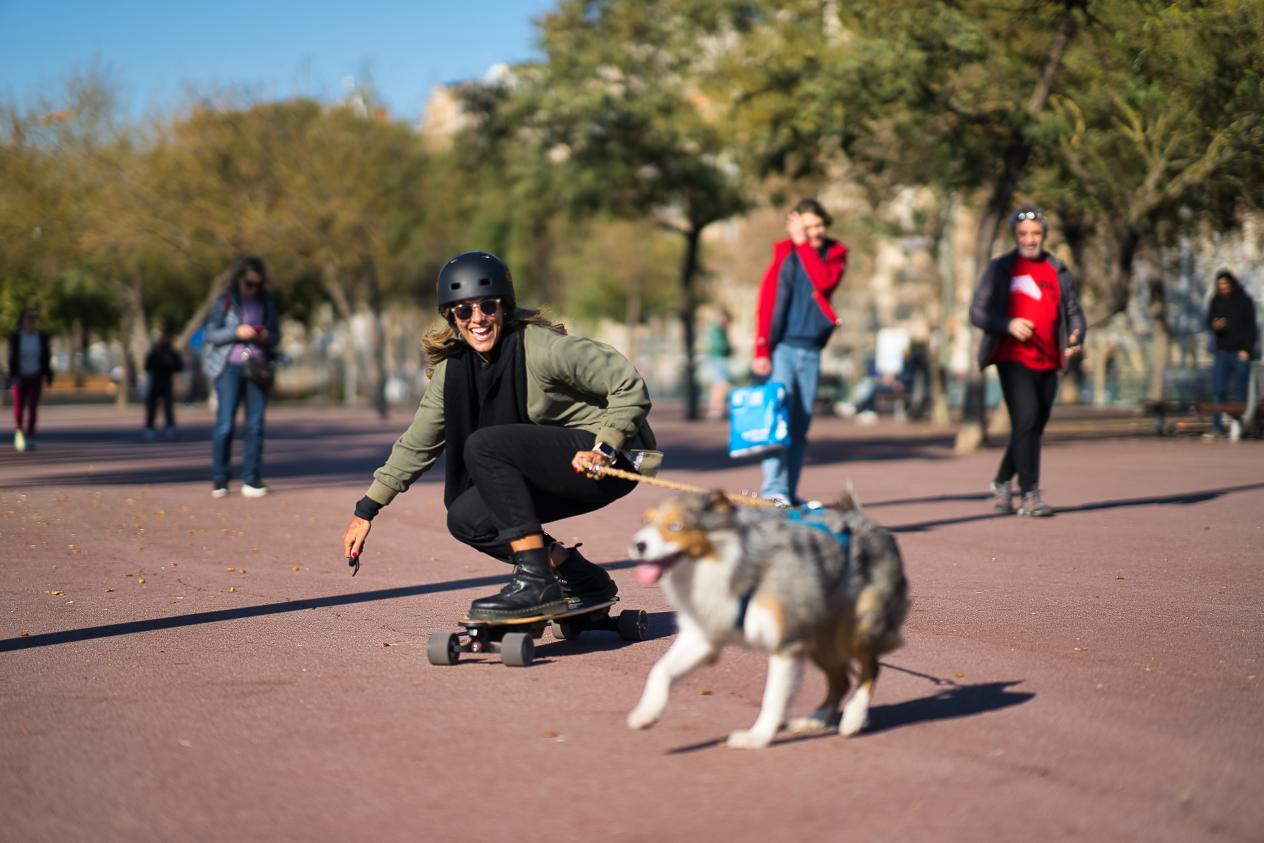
(758, 419)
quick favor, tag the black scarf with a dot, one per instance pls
(480, 392)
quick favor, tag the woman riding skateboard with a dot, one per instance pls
(524, 412)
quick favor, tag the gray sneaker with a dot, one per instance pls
(1033, 507)
(1002, 497)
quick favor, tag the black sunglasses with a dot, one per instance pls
(465, 310)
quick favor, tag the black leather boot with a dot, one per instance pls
(583, 582)
(533, 590)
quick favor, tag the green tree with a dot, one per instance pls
(621, 113)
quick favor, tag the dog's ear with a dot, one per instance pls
(718, 502)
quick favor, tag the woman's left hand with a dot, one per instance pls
(585, 462)
(1073, 344)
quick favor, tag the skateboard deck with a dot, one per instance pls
(467, 621)
(514, 638)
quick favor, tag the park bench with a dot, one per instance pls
(1172, 416)
(1167, 413)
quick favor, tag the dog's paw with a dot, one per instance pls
(807, 725)
(855, 713)
(748, 739)
(640, 718)
(854, 719)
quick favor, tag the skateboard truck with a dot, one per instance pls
(515, 639)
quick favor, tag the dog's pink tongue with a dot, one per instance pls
(648, 573)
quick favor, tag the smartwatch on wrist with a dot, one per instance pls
(606, 451)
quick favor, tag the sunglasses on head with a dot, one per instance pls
(465, 310)
(1028, 215)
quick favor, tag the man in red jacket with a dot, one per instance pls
(793, 322)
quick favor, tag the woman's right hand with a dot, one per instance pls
(245, 333)
(1021, 329)
(353, 537)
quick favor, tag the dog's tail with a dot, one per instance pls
(883, 602)
(848, 501)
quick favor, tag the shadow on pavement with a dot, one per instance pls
(1181, 498)
(660, 622)
(954, 700)
(951, 702)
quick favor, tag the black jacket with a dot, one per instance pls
(1240, 332)
(989, 309)
(46, 366)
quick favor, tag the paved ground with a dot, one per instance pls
(178, 668)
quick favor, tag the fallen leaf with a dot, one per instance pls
(1119, 578)
(959, 675)
(230, 568)
(704, 692)
(548, 733)
(297, 568)
(140, 580)
(232, 589)
(385, 644)
(57, 593)
(108, 590)
(23, 634)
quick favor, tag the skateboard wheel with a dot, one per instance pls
(517, 649)
(565, 630)
(443, 648)
(634, 625)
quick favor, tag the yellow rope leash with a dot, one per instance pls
(741, 500)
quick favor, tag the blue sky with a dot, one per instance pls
(154, 49)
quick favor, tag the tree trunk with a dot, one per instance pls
(79, 342)
(937, 357)
(688, 307)
(332, 285)
(1161, 339)
(133, 337)
(379, 344)
(632, 317)
(1013, 163)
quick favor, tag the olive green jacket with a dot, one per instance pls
(572, 382)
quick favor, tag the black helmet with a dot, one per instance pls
(472, 275)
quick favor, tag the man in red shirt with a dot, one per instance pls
(1027, 307)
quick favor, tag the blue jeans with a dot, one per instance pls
(231, 388)
(1228, 369)
(800, 370)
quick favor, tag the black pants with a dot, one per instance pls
(152, 397)
(1029, 396)
(522, 478)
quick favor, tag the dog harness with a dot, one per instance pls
(809, 516)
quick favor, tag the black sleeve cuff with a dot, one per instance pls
(366, 508)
